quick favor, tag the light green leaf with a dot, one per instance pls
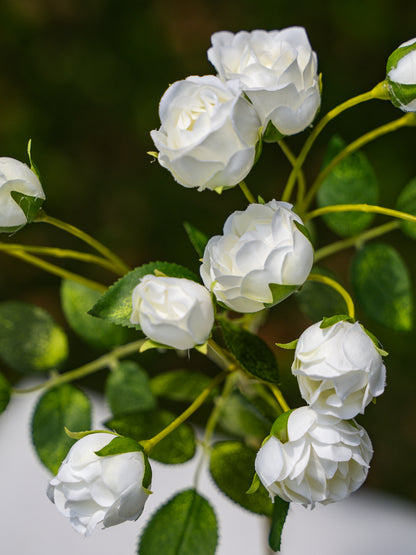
(179, 385)
(59, 408)
(30, 341)
(4, 393)
(382, 286)
(128, 389)
(241, 418)
(280, 510)
(176, 448)
(77, 300)
(232, 468)
(197, 238)
(116, 303)
(317, 300)
(251, 352)
(352, 181)
(185, 525)
(407, 203)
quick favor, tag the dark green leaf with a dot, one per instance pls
(382, 286)
(185, 525)
(116, 304)
(77, 300)
(242, 418)
(128, 389)
(251, 352)
(352, 181)
(64, 406)
(176, 448)
(407, 203)
(232, 468)
(317, 300)
(30, 341)
(179, 385)
(4, 393)
(280, 510)
(197, 238)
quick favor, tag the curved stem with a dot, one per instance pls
(57, 270)
(60, 253)
(118, 264)
(407, 119)
(300, 177)
(379, 91)
(335, 285)
(247, 193)
(355, 240)
(86, 369)
(360, 208)
(279, 397)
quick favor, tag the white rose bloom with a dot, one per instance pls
(261, 247)
(208, 134)
(277, 71)
(176, 312)
(338, 368)
(16, 176)
(90, 489)
(324, 460)
(401, 76)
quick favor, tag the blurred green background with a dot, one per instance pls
(83, 79)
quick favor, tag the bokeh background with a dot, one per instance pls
(83, 80)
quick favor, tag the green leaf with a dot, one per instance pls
(185, 525)
(63, 406)
(407, 203)
(30, 341)
(4, 393)
(176, 448)
(179, 385)
(280, 510)
(241, 418)
(251, 352)
(128, 389)
(317, 300)
(232, 468)
(116, 304)
(328, 322)
(77, 300)
(352, 181)
(197, 238)
(382, 286)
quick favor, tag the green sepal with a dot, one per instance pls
(118, 446)
(279, 428)
(304, 230)
(30, 207)
(397, 55)
(289, 346)
(203, 348)
(401, 95)
(5, 389)
(198, 239)
(280, 510)
(255, 484)
(153, 153)
(260, 200)
(376, 342)
(80, 435)
(259, 146)
(150, 344)
(32, 164)
(280, 293)
(272, 134)
(328, 322)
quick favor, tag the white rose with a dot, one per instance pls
(90, 489)
(16, 176)
(208, 134)
(338, 368)
(176, 312)
(260, 259)
(277, 71)
(324, 460)
(401, 76)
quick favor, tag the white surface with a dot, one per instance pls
(368, 523)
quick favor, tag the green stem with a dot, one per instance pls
(279, 397)
(379, 91)
(60, 253)
(57, 270)
(118, 264)
(335, 285)
(247, 193)
(148, 444)
(406, 120)
(356, 240)
(86, 369)
(360, 208)
(300, 177)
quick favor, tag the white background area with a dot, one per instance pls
(367, 523)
